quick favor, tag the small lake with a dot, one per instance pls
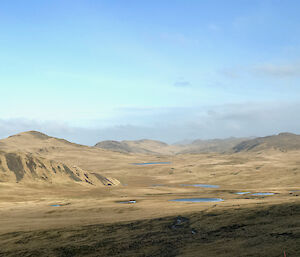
(55, 205)
(130, 201)
(242, 193)
(151, 163)
(263, 194)
(198, 200)
(200, 185)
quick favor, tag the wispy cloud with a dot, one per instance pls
(179, 38)
(232, 73)
(213, 27)
(271, 70)
(280, 70)
(182, 83)
(174, 124)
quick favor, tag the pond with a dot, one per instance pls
(55, 205)
(198, 200)
(243, 193)
(130, 201)
(200, 185)
(150, 163)
(263, 194)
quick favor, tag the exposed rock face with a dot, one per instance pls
(21, 167)
(32, 156)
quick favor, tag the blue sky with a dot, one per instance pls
(92, 70)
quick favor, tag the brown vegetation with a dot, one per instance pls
(91, 222)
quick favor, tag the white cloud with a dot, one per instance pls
(232, 73)
(179, 38)
(281, 70)
(213, 27)
(182, 83)
(175, 124)
(271, 70)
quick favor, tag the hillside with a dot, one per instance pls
(33, 156)
(282, 142)
(211, 145)
(114, 146)
(39, 144)
(34, 141)
(157, 147)
(144, 146)
(20, 167)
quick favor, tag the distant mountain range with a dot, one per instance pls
(282, 142)
(146, 146)
(32, 156)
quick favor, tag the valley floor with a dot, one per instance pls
(90, 221)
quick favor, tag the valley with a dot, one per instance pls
(136, 204)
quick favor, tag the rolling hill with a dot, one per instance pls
(159, 148)
(33, 157)
(144, 146)
(20, 167)
(211, 145)
(281, 142)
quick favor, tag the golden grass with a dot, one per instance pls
(91, 222)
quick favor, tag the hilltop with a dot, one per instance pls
(34, 157)
(211, 145)
(143, 146)
(34, 141)
(147, 146)
(282, 142)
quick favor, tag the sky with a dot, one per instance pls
(170, 70)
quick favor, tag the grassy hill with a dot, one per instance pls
(282, 142)
(34, 157)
